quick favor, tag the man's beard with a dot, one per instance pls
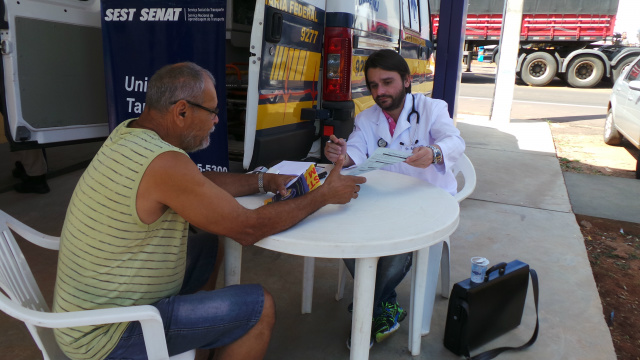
(397, 100)
(191, 143)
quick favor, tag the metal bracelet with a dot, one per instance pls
(437, 154)
(261, 183)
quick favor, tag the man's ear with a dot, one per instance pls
(179, 111)
(407, 84)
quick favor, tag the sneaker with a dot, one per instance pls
(388, 322)
(349, 342)
(397, 310)
(402, 313)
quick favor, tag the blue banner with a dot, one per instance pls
(140, 37)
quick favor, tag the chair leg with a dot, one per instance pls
(232, 262)
(445, 269)
(307, 284)
(189, 355)
(342, 279)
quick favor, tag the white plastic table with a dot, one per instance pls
(393, 214)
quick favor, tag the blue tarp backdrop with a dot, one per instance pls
(140, 37)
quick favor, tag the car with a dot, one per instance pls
(623, 116)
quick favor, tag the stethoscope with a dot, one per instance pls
(413, 111)
(414, 143)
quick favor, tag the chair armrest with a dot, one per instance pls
(465, 167)
(33, 236)
(147, 315)
(464, 192)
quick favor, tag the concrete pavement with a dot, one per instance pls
(520, 210)
(604, 196)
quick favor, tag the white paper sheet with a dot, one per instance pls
(381, 157)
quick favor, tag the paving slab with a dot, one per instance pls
(604, 196)
(509, 168)
(517, 135)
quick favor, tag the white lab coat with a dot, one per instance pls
(435, 127)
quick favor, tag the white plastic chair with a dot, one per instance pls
(439, 255)
(25, 301)
(464, 167)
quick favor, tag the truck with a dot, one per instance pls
(557, 38)
(294, 68)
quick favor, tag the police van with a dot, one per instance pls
(293, 69)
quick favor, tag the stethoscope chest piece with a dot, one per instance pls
(382, 143)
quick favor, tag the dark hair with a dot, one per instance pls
(176, 82)
(388, 60)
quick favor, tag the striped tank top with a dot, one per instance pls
(108, 257)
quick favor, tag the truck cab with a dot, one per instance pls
(293, 70)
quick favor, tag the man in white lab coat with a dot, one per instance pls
(402, 121)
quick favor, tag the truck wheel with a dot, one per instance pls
(617, 71)
(611, 136)
(538, 69)
(585, 71)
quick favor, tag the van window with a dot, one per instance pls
(243, 11)
(411, 14)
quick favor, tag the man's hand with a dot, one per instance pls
(277, 183)
(335, 148)
(422, 157)
(340, 189)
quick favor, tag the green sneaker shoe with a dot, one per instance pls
(349, 342)
(399, 312)
(388, 322)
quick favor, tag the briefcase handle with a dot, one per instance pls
(501, 267)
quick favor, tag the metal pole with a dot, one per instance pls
(453, 18)
(508, 48)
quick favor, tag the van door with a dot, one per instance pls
(54, 84)
(284, 66)
(416, 46)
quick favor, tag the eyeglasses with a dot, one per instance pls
(212, 112)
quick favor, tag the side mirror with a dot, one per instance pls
(634, 85)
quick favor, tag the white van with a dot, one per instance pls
(294, 70)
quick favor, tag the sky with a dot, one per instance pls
(628, 18)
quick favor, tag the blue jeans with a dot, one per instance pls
(202, 320)
(390, 272)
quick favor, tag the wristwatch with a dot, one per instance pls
(437, 154)
(261, 183)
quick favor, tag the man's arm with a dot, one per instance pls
(422, 157)
(446, 137)
(337, 148)
(247, 184)
(172, 180)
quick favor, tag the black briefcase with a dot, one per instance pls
(480, 312)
